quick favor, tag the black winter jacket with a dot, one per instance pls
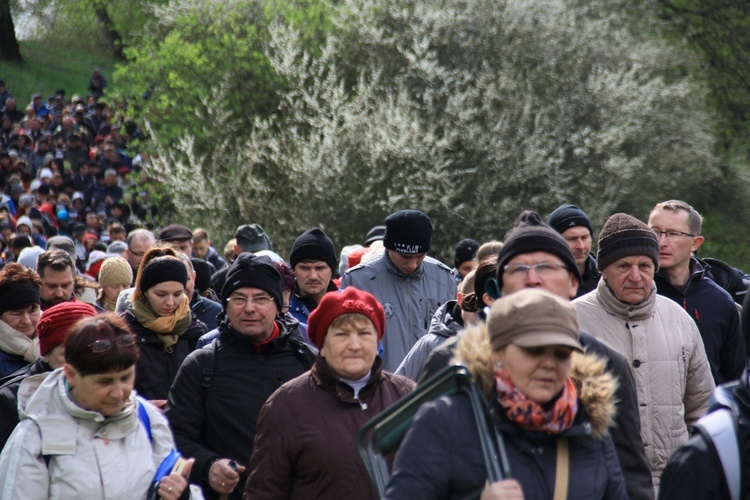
(695, 472)
(9, 396)
(158, 364)
(589, 278)
(716, 316)
(626, 433)
(219, 421)
(441, 456)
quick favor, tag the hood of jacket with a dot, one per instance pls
(443, 323)
(596, 388)
(44, 398)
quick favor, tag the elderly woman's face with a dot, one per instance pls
(23, 320)
(350, 348)
(106, 393)
(164, 297)
(538, 372)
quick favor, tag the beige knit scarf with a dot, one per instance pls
(18, 344)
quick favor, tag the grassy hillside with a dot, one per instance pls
(47, 67)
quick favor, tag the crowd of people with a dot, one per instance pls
(142, 364)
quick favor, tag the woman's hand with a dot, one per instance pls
(222, 477)
(503, 490)
(172, 487)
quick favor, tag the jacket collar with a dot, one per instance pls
(615, 307)
(393, 269)
(696, 274)
(326, 379)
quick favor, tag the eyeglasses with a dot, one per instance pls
(542, 270)
(105, 345)
(671, 235)
(259, 301)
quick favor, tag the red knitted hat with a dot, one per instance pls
(334, 304)
(56, 321)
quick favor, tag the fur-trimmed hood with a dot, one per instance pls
(596, 388)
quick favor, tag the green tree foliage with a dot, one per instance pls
(719, 31)
(194, 49)
(469, 111)
(97, 25)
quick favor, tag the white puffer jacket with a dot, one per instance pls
(666, 355)
(90, 457)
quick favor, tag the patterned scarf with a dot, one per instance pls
(167, 328)
(529, 414)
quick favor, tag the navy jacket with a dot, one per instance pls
(716, 316)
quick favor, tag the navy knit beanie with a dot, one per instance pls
(566, 216)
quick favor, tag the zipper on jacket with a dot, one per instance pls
(362, 404)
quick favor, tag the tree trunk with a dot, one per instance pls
(110, 33)
(9, 49)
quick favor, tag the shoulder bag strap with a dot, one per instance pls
(562, 470)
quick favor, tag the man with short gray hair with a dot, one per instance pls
(661, 343)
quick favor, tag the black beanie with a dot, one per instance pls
(531, 234)
(566, 216)
(465, 249)
(19, 296)
(316, 245)
(374, 234)
(408, 232)
(202, 274)
(161, 269)
(625, 236)
(255, 271)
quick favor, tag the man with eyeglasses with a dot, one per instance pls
(216, 397)
(536, 256)
(682, 278)
(660, 341)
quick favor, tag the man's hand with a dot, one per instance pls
(222, 477)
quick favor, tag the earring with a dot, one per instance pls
(499, 365)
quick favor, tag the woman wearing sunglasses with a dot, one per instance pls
(159, 315)
(83, 433)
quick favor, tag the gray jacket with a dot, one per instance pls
(443, 326)
(409, 301)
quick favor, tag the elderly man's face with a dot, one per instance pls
(630, 278)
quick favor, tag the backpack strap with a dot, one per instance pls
(208, 372)
(144, 418)
(720, 429)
